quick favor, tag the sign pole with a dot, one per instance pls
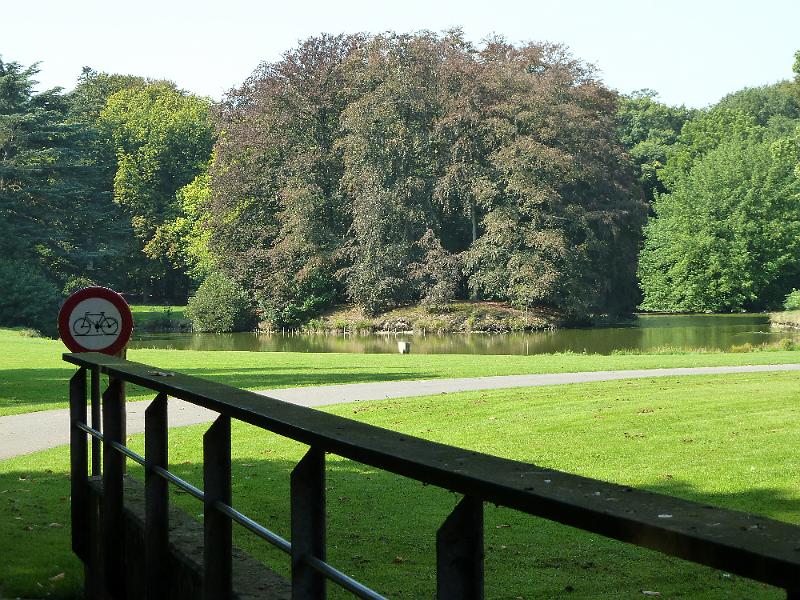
(97, 319)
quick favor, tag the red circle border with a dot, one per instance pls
(126, 328)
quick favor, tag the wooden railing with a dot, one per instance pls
(758, 548)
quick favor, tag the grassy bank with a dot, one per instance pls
(789, 319)
(33, 376)
(149, 317)
(724, 440)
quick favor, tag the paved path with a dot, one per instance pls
(22, 434)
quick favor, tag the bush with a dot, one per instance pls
(28, 298)
(76, 283)
(742, 348)
(293, 303)
(792, 301)
(220, 305)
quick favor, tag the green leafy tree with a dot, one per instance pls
(29, 297)
(728, 235)
(54, 209)
(185, 240)
(725, 237)
(162, 139)
(647, 128)
(774, 106)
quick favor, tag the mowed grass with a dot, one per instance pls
(725, 440)
(34, 377)
(142, 313)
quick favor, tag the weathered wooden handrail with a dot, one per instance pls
(755, 547)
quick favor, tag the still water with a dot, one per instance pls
(645, 333)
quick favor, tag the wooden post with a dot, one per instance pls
(217, 552)
(96, 452)
(78, 449)
(459, 553)
(308, 525)
(113, 523)
(156, 527)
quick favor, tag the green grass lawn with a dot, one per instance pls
(152, 311)
(726, 440)
(33, 376)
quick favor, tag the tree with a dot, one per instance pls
(278, 215)
(728, 235)
(647, 129)
(184, 240)
(389, 174)
(51, 193)
(562, 229)
(367, 167)
(162, 139)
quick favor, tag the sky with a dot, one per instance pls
(690, 52)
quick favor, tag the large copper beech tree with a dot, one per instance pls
(392, 169)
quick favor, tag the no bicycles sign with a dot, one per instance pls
(95, 319)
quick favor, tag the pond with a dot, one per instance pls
(645, 333)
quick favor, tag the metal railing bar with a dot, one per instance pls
(184, 485)
(181, 483)
(248, 523)
(339, 578)
(346, 582)
(90, 430)
(137, 458)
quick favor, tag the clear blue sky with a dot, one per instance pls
(691, 52)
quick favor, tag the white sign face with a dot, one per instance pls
(95, 323)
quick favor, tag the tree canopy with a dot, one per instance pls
(726, 230)
(383, 170)
(371, 168)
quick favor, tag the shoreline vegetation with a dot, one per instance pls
(788, 319)
(463, 317)
(455, 317)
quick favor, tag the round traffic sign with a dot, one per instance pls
(95, 319)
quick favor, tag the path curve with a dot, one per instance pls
(26, 433)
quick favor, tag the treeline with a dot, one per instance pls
(395, 169)
(725, 230)
(91, 188)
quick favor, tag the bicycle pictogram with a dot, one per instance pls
(95, 324)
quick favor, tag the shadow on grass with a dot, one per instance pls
(33, 388)
(37, 559)
(381, 530)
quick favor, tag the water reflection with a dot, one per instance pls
(645, 333)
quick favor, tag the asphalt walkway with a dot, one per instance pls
(26, 433)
